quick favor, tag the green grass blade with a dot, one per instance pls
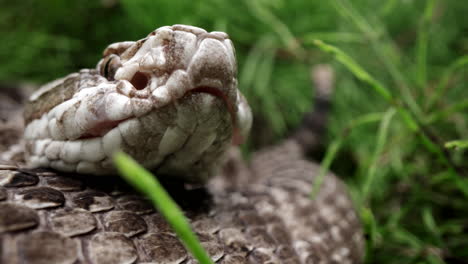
(265, 15)
(459, 63)
(335, 146)
(457, 144)
(334, 37)
(422, 44)
(147, 183)
(355, 68)
(325, 165)
(366, 119)
(381, 140)
(370, 226)
(431, 225)
(445, 113)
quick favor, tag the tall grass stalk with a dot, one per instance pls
(147, 183)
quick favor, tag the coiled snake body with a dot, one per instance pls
(171, 101)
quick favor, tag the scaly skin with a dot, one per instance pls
(255, 213)
(267, 216)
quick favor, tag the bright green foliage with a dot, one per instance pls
(457, 144)
(401, 92)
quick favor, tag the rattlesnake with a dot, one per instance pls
(177, 90)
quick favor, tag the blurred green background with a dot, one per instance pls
(411, 191)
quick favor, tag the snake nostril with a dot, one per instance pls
(139, 80)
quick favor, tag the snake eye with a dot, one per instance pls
(139, 80)
(109, 66)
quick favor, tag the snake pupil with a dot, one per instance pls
(107, 71)
(139, 80)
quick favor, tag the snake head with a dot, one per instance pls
(175, 60)
(170, 100)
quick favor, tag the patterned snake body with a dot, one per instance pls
(256, 213)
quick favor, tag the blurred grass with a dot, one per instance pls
(411, 190)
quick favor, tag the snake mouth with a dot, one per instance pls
(102, 128)
(104, 124)
(236, 136)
